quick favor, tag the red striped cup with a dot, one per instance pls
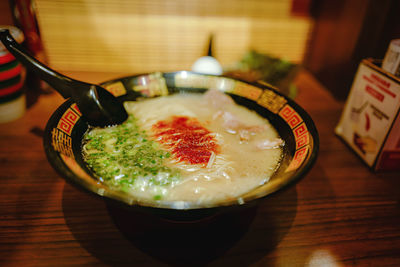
(12, 97)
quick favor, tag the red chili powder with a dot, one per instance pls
(189, 141)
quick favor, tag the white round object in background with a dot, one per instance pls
(207, 65)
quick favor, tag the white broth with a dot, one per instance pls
(200, 148)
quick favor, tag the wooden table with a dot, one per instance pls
(340, 213)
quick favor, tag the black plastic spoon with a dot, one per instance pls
(98, 106)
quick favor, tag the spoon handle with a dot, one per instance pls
(58, 81)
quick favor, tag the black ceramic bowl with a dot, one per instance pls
(64, 131)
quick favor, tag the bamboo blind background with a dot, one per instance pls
(148, 35)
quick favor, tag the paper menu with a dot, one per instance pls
(371, 108)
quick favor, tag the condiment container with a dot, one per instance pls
(391, 61)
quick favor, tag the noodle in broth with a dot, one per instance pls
(186, 148)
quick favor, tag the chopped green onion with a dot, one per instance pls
(134, 158)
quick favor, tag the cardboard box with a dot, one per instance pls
(370, 122)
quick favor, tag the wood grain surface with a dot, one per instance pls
(340, 214)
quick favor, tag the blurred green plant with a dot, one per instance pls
(271, 69)
(278, 72)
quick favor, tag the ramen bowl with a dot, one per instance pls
(65, 130)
